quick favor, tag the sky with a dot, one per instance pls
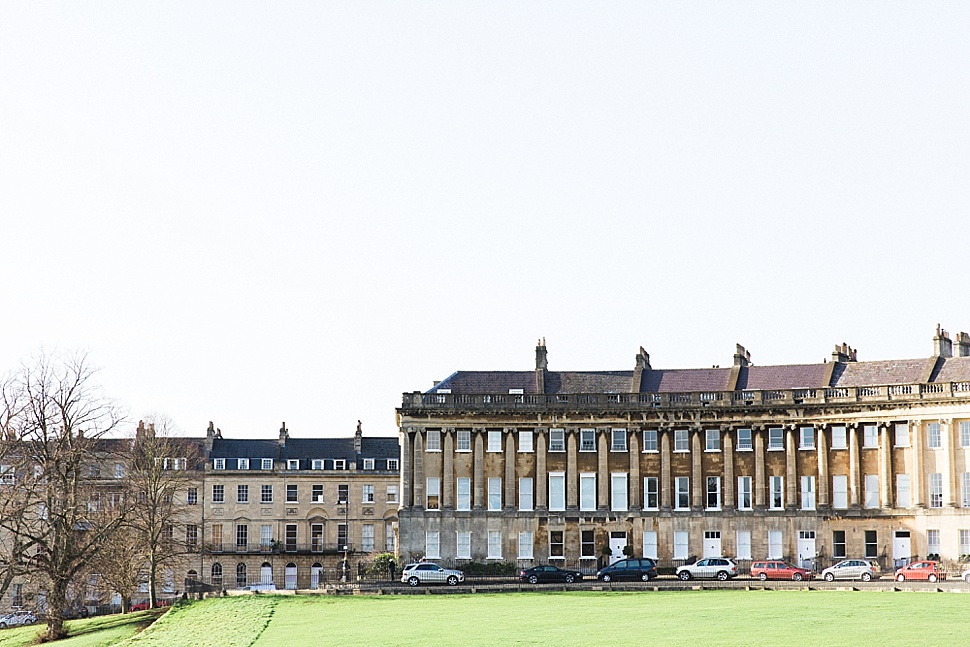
(251, 212)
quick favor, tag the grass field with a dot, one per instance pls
(694, 618)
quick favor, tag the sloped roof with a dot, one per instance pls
(303, 448)
(955, 369)
(786, 376)
(890, 371)
(684, 379)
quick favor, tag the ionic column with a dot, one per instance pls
(822, 450)
(602, 469)
(791, 468)
(916, 480)
(727, 446)
(406, 465)
(572, 474)
(510, 499)
(448, 471)
(542, 479)
(950, 488)
(479, 486)
(664, 468)
(885, 466)
(759, 466)
(633, 444)
(419, 469)
(854, 464)
(696, 475)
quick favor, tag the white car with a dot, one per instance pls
(965, 575)
(428, 573)
(17, 618)
(851, 569)
(721, 568)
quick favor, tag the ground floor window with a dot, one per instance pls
(775, 546)
(557, 544)
(744, 544)
(241, 575)
(494, 544)
(838, 544)
(932, 542)
(17, 595)
(525, 545)
(464, 545)
(432, 544)
(681, 547)
(587, 545)
(367, 537)
(872, 547)
(315, 572)
(289, 577)
(389, 540)
(650, 544)
(215, 575)
(964, 542)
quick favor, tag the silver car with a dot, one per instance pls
(17, 618)
(429, 573)
(721, 568)
(851, 569)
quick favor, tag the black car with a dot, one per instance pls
(548, 573)
(642, 569)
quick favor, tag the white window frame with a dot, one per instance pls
(366, 538)
(218, 463)
(316, 464)
(526, 545)
(964, 537)
(619, 496)
(776, 492)
(393, 494)
(557, 440)
(681, 441)
(367, 493)
(964, 436)
(526, 494)
(432, 544)
(964, 492)
(776, 441)
(585, 446)
(494, 546)
(432, 440)
(463, 544)
(587, 491)
(806, 437)
(681, 544)
(744, 544)
(368, 463)
(870, 436)
(935, 490)
(650, 544)
(463, 441)
(745, 493)
(463, 494)
(745, 440)
(493, 440)
(932, 541)
(392, 464)
(339, 463)
(293, 464)
(712, 440)
(494, 502)
(557, 491)
(432, 489)
(651, 490)
(871, 488)
(681, 489)
(934, 435)
(267, 464)
(901, 434)
(526, 441)
(618, 440)
(840, 491)
(776, 544)
(808, 492)
(242, 463)
(840, 439)
(650, 445)
(904, 492)
(715, 482)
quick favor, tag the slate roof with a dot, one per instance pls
(784, 376)
(308, 449)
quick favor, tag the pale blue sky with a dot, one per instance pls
(256, 212)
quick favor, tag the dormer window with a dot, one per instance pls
(267, 463)
(392, 464)
(368, 463)
(317, 464)
(218, 463)
(339, 464)
(293, 464)
(242, 463)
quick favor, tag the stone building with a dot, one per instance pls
(808, 463)
(288, 510)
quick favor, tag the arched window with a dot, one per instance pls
(316, 572)
(241, 575)
(266, 573)
(191, 581)
(216, 575)
(289, 581)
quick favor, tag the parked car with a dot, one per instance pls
(549, 573)
(642, 569)
(777, 570)
(965, 575)
(710, 567)
(142, 606)
(260, 588)
(429, 573)
(926, 570)
(17, 618)
(851, 569)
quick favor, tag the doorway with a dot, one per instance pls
(902, 548)
(712, 543)
(617, 543)
(806, 548)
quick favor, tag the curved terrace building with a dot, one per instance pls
(809, 463)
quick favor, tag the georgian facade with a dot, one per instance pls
(808, 463)
(288, 510)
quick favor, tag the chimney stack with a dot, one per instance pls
(358, 439)
(284, 434)
(542, 364)
(844, 353)
(942, 346)
(963, 345)
(741, 356)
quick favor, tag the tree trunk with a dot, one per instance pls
(152, 573)
(56, 603)
(125, 603)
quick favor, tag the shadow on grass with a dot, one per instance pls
(139, 620)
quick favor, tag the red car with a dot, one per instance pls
(927, 570)
(776, 570)
(143, 606)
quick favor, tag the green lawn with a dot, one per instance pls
(694, 618)
(95, 632)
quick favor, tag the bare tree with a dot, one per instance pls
(163, 468)
(121, 565)
(55, 510)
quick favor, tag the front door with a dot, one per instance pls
(617, 543)
(806, 548)
(712, 544)
(902, 550)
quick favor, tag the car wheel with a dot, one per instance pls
(533, 579)
(723, 576)
(966, 578)
(569, 578)
(866, 577)
(797, 577)
(829, 577)
(3, 625)
(932, 577)
(452, 580)
(900, 578)
(684, 575)
(645, 577)
(762, 576)
(413, 581)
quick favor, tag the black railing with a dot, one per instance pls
(278, 548)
